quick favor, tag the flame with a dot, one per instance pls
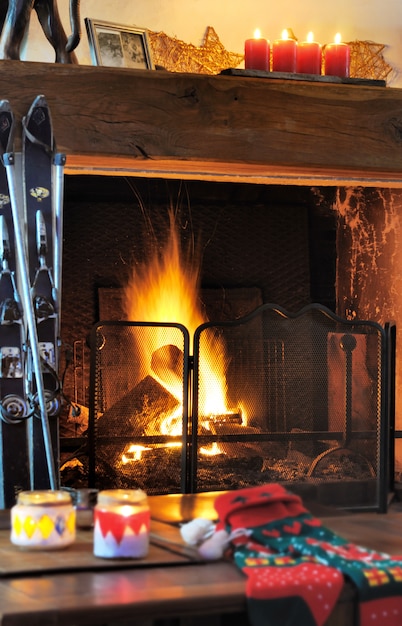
(338, 38)
(285, 34)
(165, 289)
(212, 450)
(310, 37)
(257, 33)
(134, 453)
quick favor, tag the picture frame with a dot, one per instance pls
(116, 45)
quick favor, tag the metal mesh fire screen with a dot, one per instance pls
(304, 399)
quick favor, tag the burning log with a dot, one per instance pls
(141, 411)
(167, 364)
(243, 449)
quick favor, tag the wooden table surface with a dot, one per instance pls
(71, 587)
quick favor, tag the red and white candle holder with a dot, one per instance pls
(121, 524)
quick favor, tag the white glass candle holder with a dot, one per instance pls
(43, 520)
(121, 524)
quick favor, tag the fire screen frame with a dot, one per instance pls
(192, 439)
(95, 405)
(386, 407)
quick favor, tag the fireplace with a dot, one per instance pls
(293, 413)
(326, 143)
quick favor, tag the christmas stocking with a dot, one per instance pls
(296, 567)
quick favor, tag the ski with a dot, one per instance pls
(42, 204)
(14, 411)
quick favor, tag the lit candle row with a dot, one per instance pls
(290, 56)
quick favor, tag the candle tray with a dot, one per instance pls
(304, 77)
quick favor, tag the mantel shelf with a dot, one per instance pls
(116, 121)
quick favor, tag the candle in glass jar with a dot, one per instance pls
(121, 524)
(337, 58)
(309, 56)
(256, 53)
(284, 53)
(43, 520)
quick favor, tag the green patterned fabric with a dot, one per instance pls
(296, 567)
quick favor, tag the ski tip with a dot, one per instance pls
(37, 126)
(7, 127)
(39, 101)
(5, 106)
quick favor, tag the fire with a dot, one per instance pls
(134, 453)
(166, 289)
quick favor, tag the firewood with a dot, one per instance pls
(148, 402)
(167, 364)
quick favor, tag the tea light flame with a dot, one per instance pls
(126, 510)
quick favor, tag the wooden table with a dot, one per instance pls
(72, 587)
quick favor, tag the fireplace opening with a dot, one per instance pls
(257, 244)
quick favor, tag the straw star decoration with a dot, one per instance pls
(367, 60)
(175, 55)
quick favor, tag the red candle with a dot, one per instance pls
(309, 56)
(337, 58)
(256, 53)
(284, 54)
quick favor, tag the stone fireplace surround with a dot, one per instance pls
(219, 129)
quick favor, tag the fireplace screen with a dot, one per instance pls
(272, 397)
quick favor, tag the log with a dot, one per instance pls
(139, 412)
(167, 363)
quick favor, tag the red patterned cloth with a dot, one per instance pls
(296, 567)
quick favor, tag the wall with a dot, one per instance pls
(235, 21)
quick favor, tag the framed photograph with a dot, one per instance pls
(114, 45)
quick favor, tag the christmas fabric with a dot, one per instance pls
(296, 567)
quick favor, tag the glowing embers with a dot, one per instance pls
(133, 453)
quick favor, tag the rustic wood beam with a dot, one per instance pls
(156, 123)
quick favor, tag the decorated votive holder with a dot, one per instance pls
(43, 520)
(121, 524)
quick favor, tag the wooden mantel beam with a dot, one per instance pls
(156, 123)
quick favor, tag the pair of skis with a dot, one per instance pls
(31, 200)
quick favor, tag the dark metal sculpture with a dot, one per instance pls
(16, 21)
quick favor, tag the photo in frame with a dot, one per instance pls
(115, 45)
